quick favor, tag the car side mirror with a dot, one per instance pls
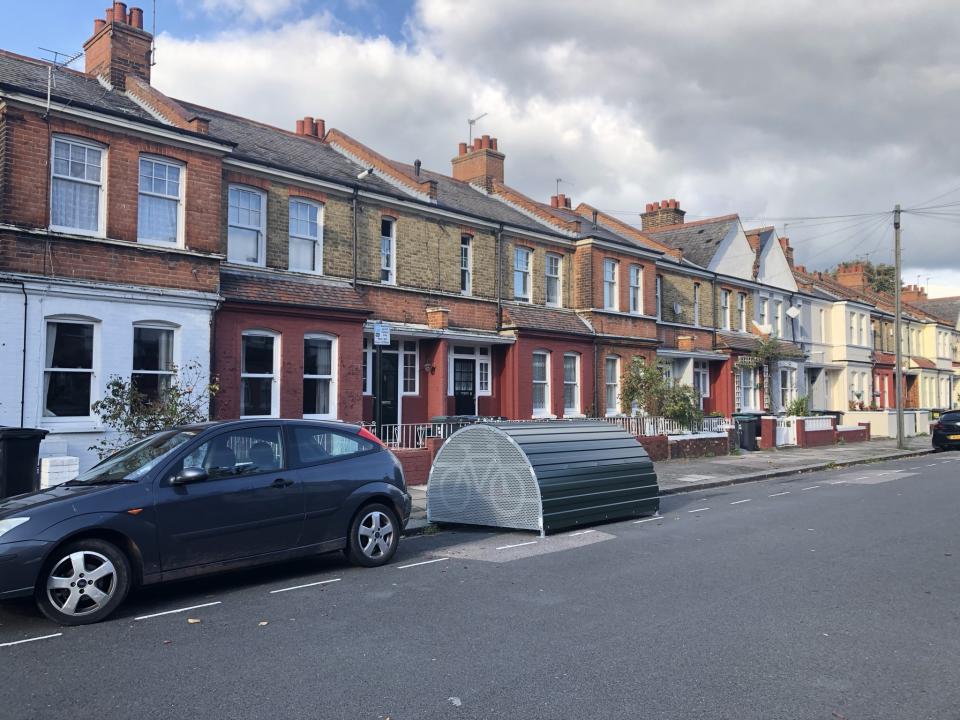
(190, 475)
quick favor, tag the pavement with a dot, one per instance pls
(679, 476)
(830, 594)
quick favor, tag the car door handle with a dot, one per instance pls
(281, 483)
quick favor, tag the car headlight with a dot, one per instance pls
(11, 523)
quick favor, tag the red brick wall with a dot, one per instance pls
(403, 306)
(848, 436)
(515, 384)
(27, 195)
(98, 261)
(657, 446)
(626, 353)
(230, 322)
(699, 447)
(624, 261)
(814, 438)
(416, 465)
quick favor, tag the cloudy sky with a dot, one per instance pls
(813, 116)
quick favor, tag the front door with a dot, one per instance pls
(386, 384)
(249, 504)
(464, 386)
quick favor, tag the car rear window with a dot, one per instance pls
(950, 417)
(317, 444)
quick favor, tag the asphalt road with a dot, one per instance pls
(831, 595)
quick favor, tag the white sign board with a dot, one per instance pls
(381, 334)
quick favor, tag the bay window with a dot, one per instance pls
(259, 386)
(68, 369)
(152, 361)
(76, 188)
(306, 236)
(160, 202)
(319, 376)
(246, 225)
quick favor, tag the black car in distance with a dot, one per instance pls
(200, 499)
(945, 433)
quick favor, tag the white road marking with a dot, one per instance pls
(425, 562)
(838, 482)
(507, 547)
(649, 519)
(918, 467)
(812, 487)
(299, 587)
(787, 492)
(582, 532)
(932, 464)
(740, 501)
(865, 477)
(698, 510)
(29, 640)
(179, 610)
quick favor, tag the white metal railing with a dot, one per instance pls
(413, 436)
(815, 424)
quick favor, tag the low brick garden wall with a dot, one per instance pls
(693, 446)
(416, 465)
(657, 446)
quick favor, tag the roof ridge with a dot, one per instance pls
(621, 226)
(693, 223)
(45, 63)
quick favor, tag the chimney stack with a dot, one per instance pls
(312, 128)
(787, 250)
(661, 214)
(480, 163)
(119, 46)
(852, 275)
(913, 293)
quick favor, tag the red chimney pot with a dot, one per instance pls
(120, 12)
(321, 126)
(554, 201)
(136, 18)
(477, 143)
(493, 143)
(462, 149)
(299, 127)
(98, 25)
(108, 14)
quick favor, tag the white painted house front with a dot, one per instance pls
(62, 341)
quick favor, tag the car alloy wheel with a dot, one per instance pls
(375, 534)
(82, 583)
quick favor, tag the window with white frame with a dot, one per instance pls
(76, 188)
(658, 289)
(306, 236)
(861, 328)
(68, 369)
(788, 386)
(742, 312)
(571, 384)
(521, 274)
(696, 304)
(778, 317)
(160, 202)
(701, 379)
(746, 388)
(319, 376)
(725, 309)
(541, 384)
(388, 251)
(552, 287)
(762, 311)
(152, 360)
(466, 265)
(259, 385)
(366, 368)
(611, 384)
(611, 294)
(483, 371)
(482, 367)
(853, 328)
(408, 361)
(246, 225)
(636, 289)
(822, 315)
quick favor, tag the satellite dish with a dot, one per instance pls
(793, 312)
(677, 307)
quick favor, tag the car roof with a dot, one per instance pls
(253, 422)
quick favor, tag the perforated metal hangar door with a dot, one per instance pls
(545, 476)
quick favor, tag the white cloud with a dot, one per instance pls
(771, 109)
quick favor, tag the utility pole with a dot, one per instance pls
(897, 325)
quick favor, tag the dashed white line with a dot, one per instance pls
(933, 464)
(425, 562)
(786, 492)
(865, 477)
(918, 467)
(838, 482)
(812, 487)
(582, 532)
(300, 587)
(507, 547)
(740, 501)
(649, 519)
(698, 510)
(29, 640)
(178, 610)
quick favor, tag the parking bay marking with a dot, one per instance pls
(425, 562)
(698, 510)
(508, 547)
(30, 640)
(179, 610)
(812, 487)
(649, 519)
(300, 587)
(738, 502)
(787, 492)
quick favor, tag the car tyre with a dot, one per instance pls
(374, 536)
(83, 582)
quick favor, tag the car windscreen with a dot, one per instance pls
(137, 459)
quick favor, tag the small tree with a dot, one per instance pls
(645, 385)
(131, 415)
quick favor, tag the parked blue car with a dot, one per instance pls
(200, 499)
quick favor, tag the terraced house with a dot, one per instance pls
(167, 234)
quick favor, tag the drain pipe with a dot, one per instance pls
(499, 240)
(23, 364)
(356, 194)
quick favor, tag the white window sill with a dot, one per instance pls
(78, 231)
(71, 425)
(161, 243)
(574, 415)
(544, 416)
(260, 417)
(247, 264)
